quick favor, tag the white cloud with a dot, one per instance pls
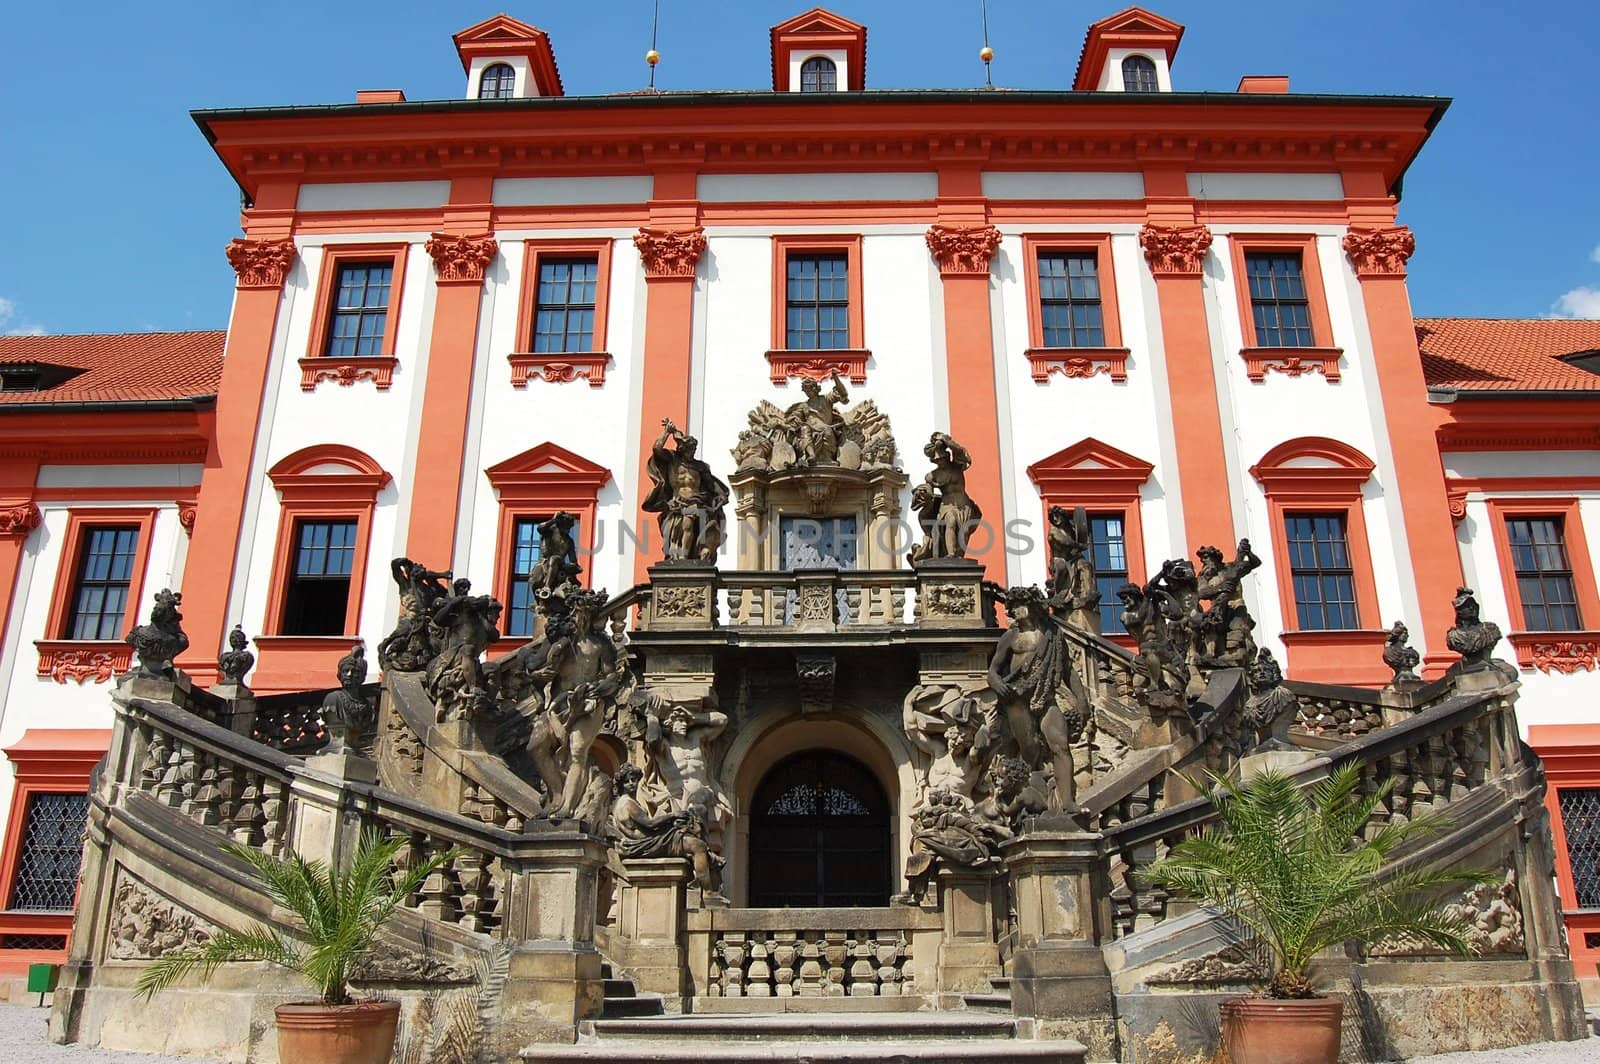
(1595, 254)
(1581, 302)
(11, 326)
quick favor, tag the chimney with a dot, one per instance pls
(380, 96)
(1270, 83)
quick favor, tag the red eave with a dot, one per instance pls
(71, 743)
(1487, 355)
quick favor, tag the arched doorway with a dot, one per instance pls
(819, 835)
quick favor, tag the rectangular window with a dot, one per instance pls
(1278, 302)
(100, 592)
(1544, 574)
(319, 580)
(1109, 544)
(1319, 563)
(817, 302)
(519, 619)
(1069, 299)
(564, 308)
(360, 309)
(46, 879)
(1580, 820)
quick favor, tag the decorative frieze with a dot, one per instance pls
(145, 925)
(1292, 362)
(1380, 251)
(818, 365)
(560, 368)
(261, 263)
(1175, 250)
(347, 369)
(461, 259)
(963, 250)
(79, 661)
(1563, 652)
(19, 519)
(1078, 363)
(670, 252)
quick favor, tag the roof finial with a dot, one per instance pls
(986, 53)
(653, 57)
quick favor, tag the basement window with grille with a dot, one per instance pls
(46, 879)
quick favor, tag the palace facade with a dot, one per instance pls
(1183, 312)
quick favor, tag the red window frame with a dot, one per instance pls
(1258, 359)
(1112, 357)
(63, 658)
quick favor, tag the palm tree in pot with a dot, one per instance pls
(1298, 869)
(340, 913)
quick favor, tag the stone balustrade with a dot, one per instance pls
(813, 953)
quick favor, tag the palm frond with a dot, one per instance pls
(255, 944)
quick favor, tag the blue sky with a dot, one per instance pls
(115, 211)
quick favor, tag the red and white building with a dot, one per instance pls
(1185, 311)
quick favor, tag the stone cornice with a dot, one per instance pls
(461, 259)
(1380, 252)
(260, 263)
(670, 252)
(963, 250)
(1175, 250)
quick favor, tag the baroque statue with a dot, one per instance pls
(1154, 618)
(1223, 631)
(461, 627)
(945, 512)
(816, 432)
(1471, 637)
(555, 570)
(675, 740)
(687, 497)
(1269, 703)
(1401, 657)
(1073, 592)
(162, 639)
(410, 646)
(346, 713)
(237, 660)
(1031, 676)
(643, 832)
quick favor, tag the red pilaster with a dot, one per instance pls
(963, 242)
(261, 263)
(18, 518)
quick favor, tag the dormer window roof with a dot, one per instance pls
(819, 52)
(505, 58)
(1130, 51)
(34, 376)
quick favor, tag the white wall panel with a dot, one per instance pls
(1086, 185)
(372, 195)
(808, 188)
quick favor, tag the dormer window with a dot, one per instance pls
(818, 74)
(1139, 74)
(499, 82)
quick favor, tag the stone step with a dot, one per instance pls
(1001, 983)
(631, 1005)
(804, 1028)
(1001, 1002)
(619, 988)
(925, 1051)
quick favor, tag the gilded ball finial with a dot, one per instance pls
(986, 54)
(652, 57)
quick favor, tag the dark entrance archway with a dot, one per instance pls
(819, 835)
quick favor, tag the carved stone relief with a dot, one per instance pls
(145, 925)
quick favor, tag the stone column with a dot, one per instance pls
(650, 936)
(18, 518)
(460, 262)
(262, 263)
(1058, 974)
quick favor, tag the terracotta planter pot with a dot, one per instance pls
(1274, 1031)
(314, 1033)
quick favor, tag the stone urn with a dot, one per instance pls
(1258, 1030)
(359, 1033)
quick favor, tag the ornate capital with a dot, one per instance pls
(461, 258)
(1175, 250)
(19, 519)
(670, 252)
(963, 250)
(188, 510)
(1380, 252)
(261, 263)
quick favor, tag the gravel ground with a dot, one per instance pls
(22, 1041)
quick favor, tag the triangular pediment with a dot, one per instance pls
(818, 20)
(1091, 456)
(1138, 20)
(549, 459)
(497, 30)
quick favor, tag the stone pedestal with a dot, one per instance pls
(649, 940)
(323, 825)
(682, 596)
(241, 717)
(970, 901)
(950, 594)
(1058, 974)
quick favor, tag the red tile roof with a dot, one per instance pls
(1507, 354)
(120, 367)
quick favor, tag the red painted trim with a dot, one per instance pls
(503, 35)
(1071, 362)
(79, 523)
(81, 659)
(1555, 423)
(1291, 362)
(818, 365)
(1103, 480)
(527, 487)
(1571, 756)
(334, 257)
(1559, 483)
(305, 492)
(562, 368)
(114, 493)
(1351, 656)
(533, 251)
(46, 761)
(1303, 244)
(1564, 651)
(819, 30)
(300, 662)
(782, 245)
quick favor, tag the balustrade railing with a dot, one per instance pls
(819, 953)
(843, 598)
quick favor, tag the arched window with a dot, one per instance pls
(819, 75)
(1139, 74)
(499, 82)
(819, 835)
